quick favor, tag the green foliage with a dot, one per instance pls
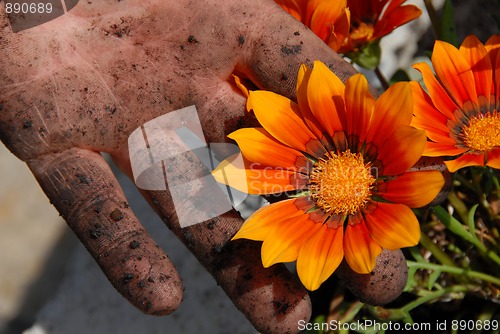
(398, 76)
(447, 29)
(368, 57)
(457, 259)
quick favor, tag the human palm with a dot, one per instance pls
(78, 86)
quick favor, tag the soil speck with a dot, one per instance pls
(116, 215)
(291, 49)
(27, 124)
(128, 277)
(134, 244)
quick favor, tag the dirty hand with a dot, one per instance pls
(82, 83)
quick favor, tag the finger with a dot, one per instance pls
(384, 284)
(83, 189)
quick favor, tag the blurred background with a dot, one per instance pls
(48, 282)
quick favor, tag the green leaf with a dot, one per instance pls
(368, 57)
(410, 283)
(399, 76)
(415, 252)
(447, 28)
(452, 224)
(471, 223)
(456, 227)
(433, 278)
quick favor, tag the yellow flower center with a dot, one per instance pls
(341, 184)
(483, 132)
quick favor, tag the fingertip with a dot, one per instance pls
(384, 284)
(146, 277)
(272, 299)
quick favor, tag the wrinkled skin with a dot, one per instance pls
(80, 84)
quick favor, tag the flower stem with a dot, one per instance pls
(383, 81)
(403, 313)
(436, 251)
(463, 181)
(350, 314)
(458, 205)
(433, 17)
(457, 228)
(494, 179)
(433, 295)
(454, 270)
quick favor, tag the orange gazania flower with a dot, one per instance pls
(346, 157)
(461, 111)
(328, 19)
(372, 20)
(347, 25)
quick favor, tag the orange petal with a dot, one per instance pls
(402, 150)
(282, 244)
(340, 32)
(393, 109)
(320, 256)
(258, 146)
(308, 7)
(497, 81)
(493, 47)
(454, 73)
(395, 17)
(414, 189)
(272, 181)
(359, 104)
(393, 5)
(258, 225)
(476, 55)
(281, 118)
(361, 251)
(493, 159)
(302, 79)
(438, 94)
(468, 159)
(239, 83)
(427, 117)
(442, 150)
(358, 10)
(291, 7)
(324, 17)
(232, 172)
(433, 130)
(424, 107)
(393, 226)
(325, 92)
(258, 181)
